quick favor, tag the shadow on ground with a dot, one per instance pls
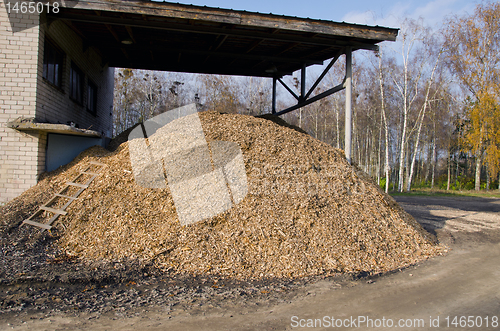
(468, 218)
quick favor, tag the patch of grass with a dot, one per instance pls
(451, 193)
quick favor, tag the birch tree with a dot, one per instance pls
(381, 80)
(125, 94)
(473, 54)
(220, 93)
(407, 84)
(420, 120)
(152, 97)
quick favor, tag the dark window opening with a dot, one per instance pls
(76, 84)
(52, 64)
(92, 98)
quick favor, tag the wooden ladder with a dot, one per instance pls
(45, 207)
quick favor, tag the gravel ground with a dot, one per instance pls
(33, 282)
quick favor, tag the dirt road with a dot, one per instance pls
(465, 282)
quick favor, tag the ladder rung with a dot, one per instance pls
(40, 225)
(76, 184)
(97, 163)
(52, 210)
(66, 196)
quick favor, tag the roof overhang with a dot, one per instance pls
(185, 38)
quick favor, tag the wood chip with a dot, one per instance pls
(307, 212)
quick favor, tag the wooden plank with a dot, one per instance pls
(171, 11)
(336, 32)
(40, 225)
(53, 210)
(142, 8)
(77, 185)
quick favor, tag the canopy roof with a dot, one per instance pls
(185, 38)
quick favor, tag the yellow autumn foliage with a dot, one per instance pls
(472, 47)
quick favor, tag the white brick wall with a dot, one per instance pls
(19, 152)
(24, 93)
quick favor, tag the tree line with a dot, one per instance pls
(426, 109)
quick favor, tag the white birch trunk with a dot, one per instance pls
(417, 141)
(449, 171)
(433, 161)
(386, 126)
(478, 173)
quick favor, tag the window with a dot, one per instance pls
(76, 84)
(92, 98)
(52, 64)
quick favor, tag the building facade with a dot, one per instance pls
(53, 88)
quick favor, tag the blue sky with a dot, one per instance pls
(372, 12)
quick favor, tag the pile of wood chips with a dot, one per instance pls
(307, 212)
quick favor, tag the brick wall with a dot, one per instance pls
(55, 105)
(24, 93)
(20, 153)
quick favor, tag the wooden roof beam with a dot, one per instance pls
(287, 48)
(115, 35)
(228, 16)
(254, 45)
(199, 69)
(206, 30)
(228, 55)
(130, 33)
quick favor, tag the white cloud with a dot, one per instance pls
(367, 17)
(435, 11)
(432, 12)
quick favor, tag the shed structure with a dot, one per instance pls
(57, 67)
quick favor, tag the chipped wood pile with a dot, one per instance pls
(307, 212)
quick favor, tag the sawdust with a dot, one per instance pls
(307, 212)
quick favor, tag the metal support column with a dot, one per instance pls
(303, 83)
(273, 110)
(348, 103)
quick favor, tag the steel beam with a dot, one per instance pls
(348, 103)
(273, 110)
(323, 74)
(304, 99)
(320, 96)
(303, 83)
(289, 89)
